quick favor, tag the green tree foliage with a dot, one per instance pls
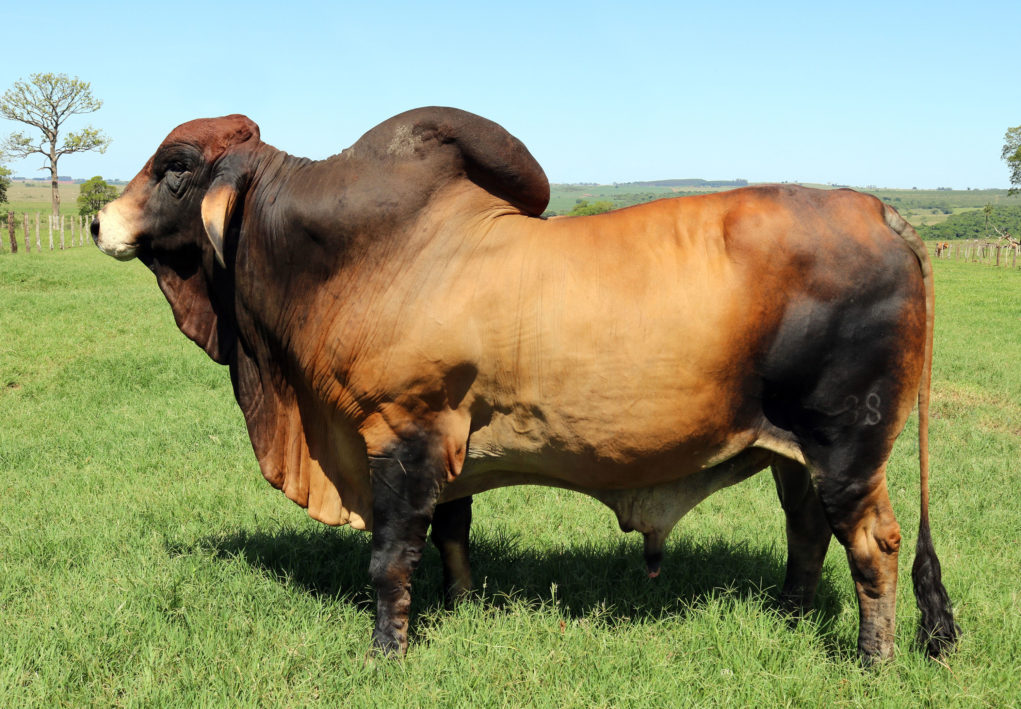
(976, 224)
(1012, 154)
(584, 209)
(93, 195)
(46, 102)
(5, 181)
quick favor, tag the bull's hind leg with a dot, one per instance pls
(404, 488)
(808, 534)
(451, 524)
(857, 505)
(846, 446)
(845, 428)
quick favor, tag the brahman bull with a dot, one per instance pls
(404, 330)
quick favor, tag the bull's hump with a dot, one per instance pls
(452, 144)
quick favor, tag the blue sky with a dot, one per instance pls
(897, 94)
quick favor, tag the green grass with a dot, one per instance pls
(144, 561)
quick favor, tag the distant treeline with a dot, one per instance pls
(689, 182)
(62, 179)
(975, 224)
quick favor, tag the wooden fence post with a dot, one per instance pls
(10, 230)
(24, 224)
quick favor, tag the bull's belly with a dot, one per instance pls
(588, 456)
(649, 484)
(604, 446)
(649, 498)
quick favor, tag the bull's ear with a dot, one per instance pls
(217, 209)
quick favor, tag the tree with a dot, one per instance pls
(5, 180)
(1012, 154)
(93, 195)
(582, 208)
(45, 102)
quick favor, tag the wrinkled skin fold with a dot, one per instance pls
(403, 331)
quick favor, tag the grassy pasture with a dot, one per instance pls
(144, 561)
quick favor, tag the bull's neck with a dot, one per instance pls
(275, 168)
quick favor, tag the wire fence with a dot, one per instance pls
(993, 253)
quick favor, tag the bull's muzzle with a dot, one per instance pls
(112, 232)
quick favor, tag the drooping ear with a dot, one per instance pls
(225, 195)
(217, 210)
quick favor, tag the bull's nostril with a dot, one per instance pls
(94, 228)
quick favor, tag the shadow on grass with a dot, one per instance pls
(609, 579)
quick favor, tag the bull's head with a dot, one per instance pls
(174, 216)
(194, 179)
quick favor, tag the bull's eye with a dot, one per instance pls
(176, 177)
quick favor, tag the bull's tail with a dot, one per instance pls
(938, 632)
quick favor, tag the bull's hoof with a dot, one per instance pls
(874, 654)
(387, 646)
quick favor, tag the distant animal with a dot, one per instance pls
(404, 330)
(941, 248)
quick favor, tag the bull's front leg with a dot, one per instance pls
(405, 485)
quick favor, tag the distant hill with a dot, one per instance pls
(688, 182)
(565, 197)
